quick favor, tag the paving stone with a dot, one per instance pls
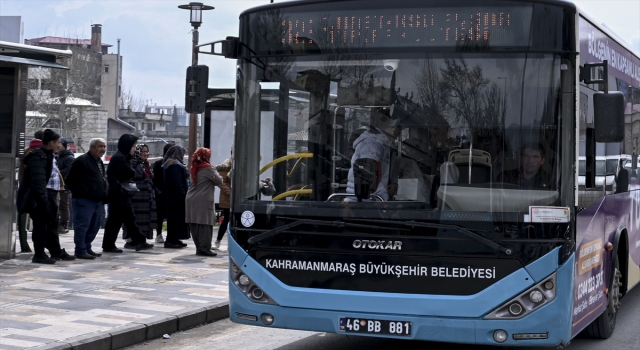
(114, 301)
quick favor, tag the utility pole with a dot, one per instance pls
(195, 9)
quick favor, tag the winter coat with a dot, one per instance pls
(158, 175)
(32, 194)
(144, 204)
(33, 144)
(176, 186)
(65, 159)
(224, 169)
(374, 146)
(85, 180)
(120, 170)
(200, 206)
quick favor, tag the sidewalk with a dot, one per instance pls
(111, 302)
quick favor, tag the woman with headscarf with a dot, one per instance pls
(224, 169)
(200, 206)
(143, 201)
(176, 185)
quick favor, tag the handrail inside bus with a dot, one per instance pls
(287, 157)
(291, 193)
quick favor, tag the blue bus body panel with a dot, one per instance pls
(544, 266)
(553, 318)
(411, 304)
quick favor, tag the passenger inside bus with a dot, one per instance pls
(530, 174)
(376, 143)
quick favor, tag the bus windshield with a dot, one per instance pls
(460, 132)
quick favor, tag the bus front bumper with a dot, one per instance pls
(549, 320)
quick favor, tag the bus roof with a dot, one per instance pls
(561, 3)
(603, 27)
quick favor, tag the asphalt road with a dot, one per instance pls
(227, 335)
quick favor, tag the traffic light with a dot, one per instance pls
(196, 89)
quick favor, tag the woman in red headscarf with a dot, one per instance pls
(200, 206)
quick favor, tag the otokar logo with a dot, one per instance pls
(371, 244)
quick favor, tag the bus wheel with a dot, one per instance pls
(605, 324)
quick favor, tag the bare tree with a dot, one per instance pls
(431, 94)
(464, 87)
(51, 89)
(131, 101)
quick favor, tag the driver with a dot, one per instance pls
(530, 174)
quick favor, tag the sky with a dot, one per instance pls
(156, 39)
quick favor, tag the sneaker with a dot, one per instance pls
(44, 259)
(129, 245)
(128, 240)
(62, 229)
(216, 245)
(143, 246)
(64, 256)
(159, 238)
(85, 256)
(181, 243)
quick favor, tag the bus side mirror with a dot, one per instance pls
(608, 115)
(365, 177)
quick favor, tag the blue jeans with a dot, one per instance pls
(86, 222)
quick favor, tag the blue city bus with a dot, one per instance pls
(409, 169)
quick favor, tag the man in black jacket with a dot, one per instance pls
(41, 204)
(65, 158)
(86, 180)
(120, 207)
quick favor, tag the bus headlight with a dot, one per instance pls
(500, 336)
(244, 280)
(249, 288)
(528, 301)
(515, 309)
(267, 319)
(536, 296)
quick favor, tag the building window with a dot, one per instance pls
(154, 126)
(106, 69)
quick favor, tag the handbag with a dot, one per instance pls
(129, 186)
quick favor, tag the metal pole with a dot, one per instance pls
(193, 117)
(115, 115)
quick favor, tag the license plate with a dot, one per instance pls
(368, 326)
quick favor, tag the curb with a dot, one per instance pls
(141, 331)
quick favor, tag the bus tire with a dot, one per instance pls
(603, 326)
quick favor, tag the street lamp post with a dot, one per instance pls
(195, 9)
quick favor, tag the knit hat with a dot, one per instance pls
(63, 141)
(49, 135)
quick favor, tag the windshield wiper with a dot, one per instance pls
(275, 231)
(470, 234)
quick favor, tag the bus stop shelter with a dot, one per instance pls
(14, 62)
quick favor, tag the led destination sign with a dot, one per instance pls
(426, 27)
